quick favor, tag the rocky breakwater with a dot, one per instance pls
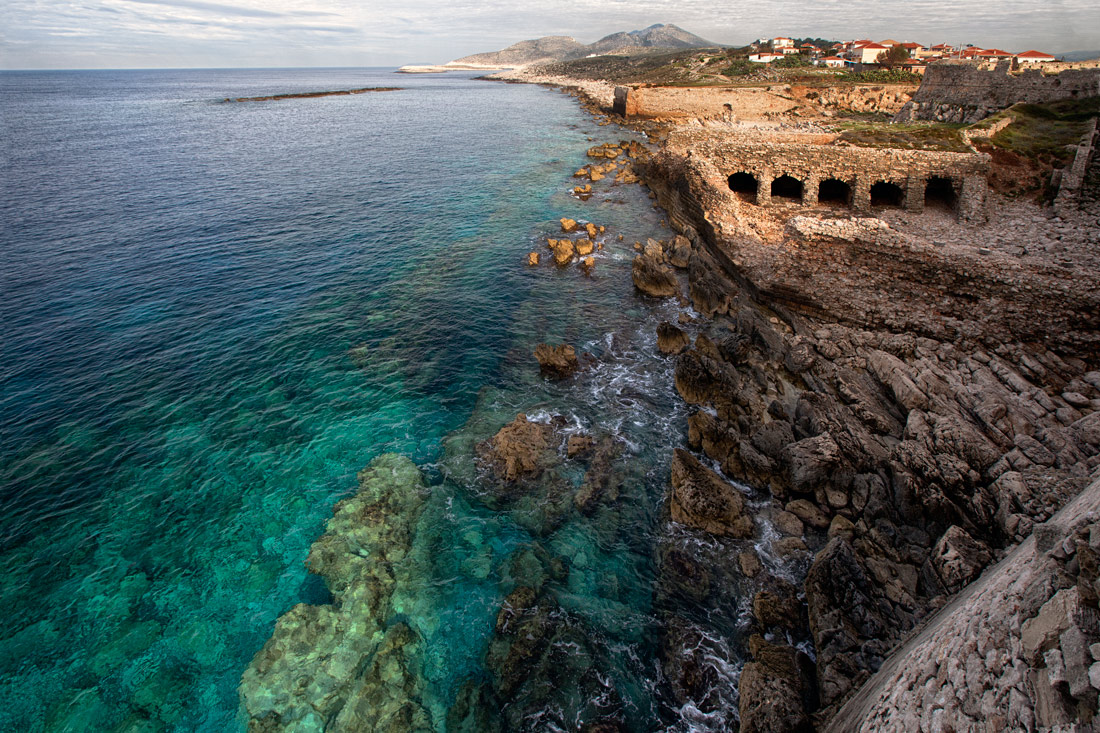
(351, 665)
(893, 465)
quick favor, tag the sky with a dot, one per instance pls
(66, 34)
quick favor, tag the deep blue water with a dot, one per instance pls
(215, 314)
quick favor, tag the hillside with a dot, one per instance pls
(663, 37)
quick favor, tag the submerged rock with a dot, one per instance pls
(774, 689)
(349, 666)
(557, 361)
(701, 499)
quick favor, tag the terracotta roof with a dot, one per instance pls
(993, 52)
(912, 45)
(1034, 55)
(832, 58)
(889, 40)
(875, 46)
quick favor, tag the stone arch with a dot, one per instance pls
(787, 187)
(834, 192)
(885, 193)
(744, 186)
(939, 192)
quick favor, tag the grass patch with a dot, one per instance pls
(1043, 131)
(941, 137)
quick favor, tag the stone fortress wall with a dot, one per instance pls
(962, 92)
(849, 176)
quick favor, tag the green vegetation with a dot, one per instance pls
(882, 76)
(893, 57)
(916, 136)
(1043, 131)
(793, 61)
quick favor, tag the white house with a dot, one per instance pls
(834, 62)
(764, 58)
(781, 42)
(1034, 57)
(868, 53)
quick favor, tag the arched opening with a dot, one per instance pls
(744, 185)
(940, 193)
(787, 187)
(885, 193)
(834, 192)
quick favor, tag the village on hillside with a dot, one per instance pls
(910, 56)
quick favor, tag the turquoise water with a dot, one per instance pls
(215, 314)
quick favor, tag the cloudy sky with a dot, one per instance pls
(236, 33)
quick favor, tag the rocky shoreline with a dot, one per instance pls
(874, 420)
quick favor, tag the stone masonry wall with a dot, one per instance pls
(1016, 650)
(859, 168)
(965, 93)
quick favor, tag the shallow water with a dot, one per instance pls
(215, 314)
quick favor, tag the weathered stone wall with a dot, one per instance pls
(678, 102)
(858, 168)
(1073, 177)
(1016, 650)
(966, 93)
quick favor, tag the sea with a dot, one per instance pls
(215, 314)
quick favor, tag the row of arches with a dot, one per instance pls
(938, 191)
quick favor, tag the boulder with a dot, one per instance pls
(811, 461)
(532, 258)
(568, 225)
(653, 279)
(671, 340)
(558, 361)
(774, 689)
(591, 229)
(588, 263)
(679, 252)
(959, 558)
(701, 499)
(779, 608)
(584, 247)
(516, 449)
(563, 252)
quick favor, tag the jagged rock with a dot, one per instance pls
(959, 558)
(710, 292)
(568, 225)
(592, 230)
(532, 258)
(517, 449)
(346, 665)
(702, 500)
(584, 247)
(588, 263)
(750, 564)
(788, 524)
(679, 254)
(811, 461)
(699, 378)
(852, 625)
(774, 688)
(564, 251)
(779, 608)
(653, 278)
(558, 361)
(671, 340)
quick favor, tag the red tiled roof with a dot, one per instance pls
(1034, 55)
(875, 46)
(994, 52)
(912, 45)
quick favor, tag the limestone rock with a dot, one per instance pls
(959, 558)
(772, 689)
(517, 449)
(653, 278)
(811, 461)
(564, 252)
(671, 340)
(532, 258)
(584, 247)
(679, 252)
(558, 361)
(568, 225)
(701, 499)
(347, 665)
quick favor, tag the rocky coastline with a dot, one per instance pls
(876, 418)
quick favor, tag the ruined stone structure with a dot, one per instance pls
(675, 102)
(859, 178)
(959, 92)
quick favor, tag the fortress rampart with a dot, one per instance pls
(966, 93)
